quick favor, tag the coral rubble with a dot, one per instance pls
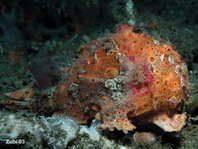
(34, 131)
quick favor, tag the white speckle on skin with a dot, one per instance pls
(171, 60)
(116, 95)
(111, 84)
(113, 122)
(162, 57)
(96, 58)
(156, 42)
(73, 89)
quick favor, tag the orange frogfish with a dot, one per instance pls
(124, 78)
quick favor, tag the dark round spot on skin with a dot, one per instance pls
(157, 82)
(152, 59)
(146, 105)
(82, 99)
(142, 90)
(111, 72)
(157, 71)
(178, 60)
(124, 39)
(141, 49)
(155, 94)
(111, 52)
(164, 89)
(104, 98)
(167, 50)
(107, 115)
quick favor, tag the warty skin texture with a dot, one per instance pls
(123, 79)
(124, 76)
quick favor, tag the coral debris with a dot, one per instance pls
(32, 132)
(122, 79)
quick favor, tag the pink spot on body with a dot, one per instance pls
(131, 58)
(148, 79)
(125, 47)
(122, 27)
(148, 76)
(135, 88)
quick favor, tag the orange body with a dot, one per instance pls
(123, 76)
